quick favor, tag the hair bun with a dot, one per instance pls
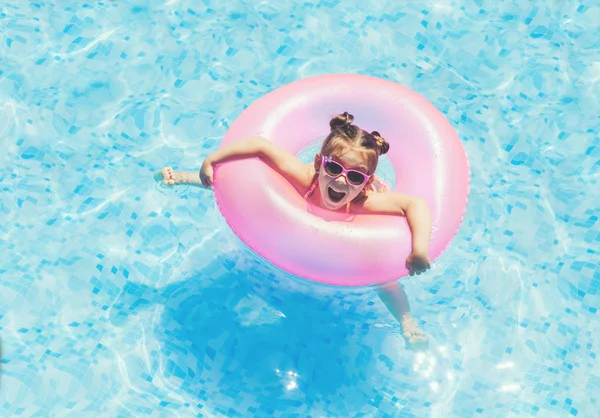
(382, 144)
(341, 121)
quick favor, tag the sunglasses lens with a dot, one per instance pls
(356, 178)
(333, 168)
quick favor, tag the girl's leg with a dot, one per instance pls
(394, 297)
(171, 178)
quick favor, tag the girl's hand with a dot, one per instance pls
(206, 173)
(417, 263)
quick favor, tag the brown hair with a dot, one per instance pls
(343, 132)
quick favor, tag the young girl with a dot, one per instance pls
(341, 179)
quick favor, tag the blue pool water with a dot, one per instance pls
(120, 297)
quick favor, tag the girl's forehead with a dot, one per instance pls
(351, 158)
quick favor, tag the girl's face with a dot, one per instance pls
(336, 192)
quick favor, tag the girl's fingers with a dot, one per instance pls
(206, 181)
(417, 269)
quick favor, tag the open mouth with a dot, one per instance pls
(334, 195)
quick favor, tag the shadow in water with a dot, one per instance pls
(273, 340)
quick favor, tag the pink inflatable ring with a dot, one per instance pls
(271, 217)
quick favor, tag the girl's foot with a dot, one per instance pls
(171, 178)
(415, 338)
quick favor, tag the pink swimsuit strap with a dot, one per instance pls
(311, 189)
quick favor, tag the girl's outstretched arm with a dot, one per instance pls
(282, 161)
(418, 216)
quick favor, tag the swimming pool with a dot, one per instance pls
(120, 297)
